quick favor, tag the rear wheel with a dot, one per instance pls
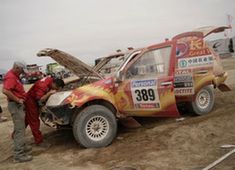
(95, 126)
(204, 101)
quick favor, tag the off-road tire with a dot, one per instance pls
(88, 120)
(204, 101)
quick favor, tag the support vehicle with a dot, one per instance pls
(33, 73)
(154, 81)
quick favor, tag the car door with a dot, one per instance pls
(147, 89)
(196, 62)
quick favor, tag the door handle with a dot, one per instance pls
(168, 83)
(201, 72)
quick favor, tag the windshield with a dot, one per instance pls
(32, 69)
(112, 64)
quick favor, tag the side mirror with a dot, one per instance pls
(119, 77)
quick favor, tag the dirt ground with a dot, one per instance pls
(161, 143)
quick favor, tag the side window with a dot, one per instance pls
(151, 64)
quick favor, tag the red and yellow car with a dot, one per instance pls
(154, 81)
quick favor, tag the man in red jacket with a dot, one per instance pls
(37, 94)
(14, 90)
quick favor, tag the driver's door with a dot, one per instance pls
(147, 89)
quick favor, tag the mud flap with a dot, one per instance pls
(223, 87)
(129, 122)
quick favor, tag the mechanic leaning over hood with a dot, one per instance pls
(37, 95)
(14, 90)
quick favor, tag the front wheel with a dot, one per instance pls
(204, 101)
(95, 126)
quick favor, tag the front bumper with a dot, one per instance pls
(218, 82)
(56, 116)
(220, 79)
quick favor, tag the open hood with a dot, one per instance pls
(72, 63)
(211, 29)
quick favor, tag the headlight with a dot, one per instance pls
(57, 98)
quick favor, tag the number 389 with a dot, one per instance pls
(145, 95)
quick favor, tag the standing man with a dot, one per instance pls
(37, 95)
(14, 90)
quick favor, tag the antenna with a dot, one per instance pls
(229, 20)
(229, 23)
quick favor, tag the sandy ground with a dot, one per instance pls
(161, 143)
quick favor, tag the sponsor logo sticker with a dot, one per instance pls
(195, 61)
(183, 83)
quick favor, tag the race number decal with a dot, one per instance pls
(145, 94)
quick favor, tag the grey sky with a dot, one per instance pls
(89, 29)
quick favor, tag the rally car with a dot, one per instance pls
(148, 82)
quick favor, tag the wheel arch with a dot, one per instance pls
(102, 102)
(200, 111)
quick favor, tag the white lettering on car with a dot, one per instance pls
(183, 83)
(195, 61)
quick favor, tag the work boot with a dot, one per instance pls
(23, 158)
(27, 148)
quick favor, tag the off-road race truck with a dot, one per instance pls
(154, 81)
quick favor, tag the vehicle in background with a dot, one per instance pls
(1, 77)
(2, 73)
(224, 47)
(155, 81)
(57, 71)
(33, 73)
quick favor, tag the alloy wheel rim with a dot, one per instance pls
(97, 128)
(203, 99)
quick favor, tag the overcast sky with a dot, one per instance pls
(89, 29)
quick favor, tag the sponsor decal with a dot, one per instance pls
(148, 105)
(184, 91)
(191, 46)
(145, 94)
(182, 63)
(143, 83)
(195, 61)
(183, 71)
(198, 47)
(183, 83)
(181, 49)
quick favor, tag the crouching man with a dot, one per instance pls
(37, 94)
(14, 90)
